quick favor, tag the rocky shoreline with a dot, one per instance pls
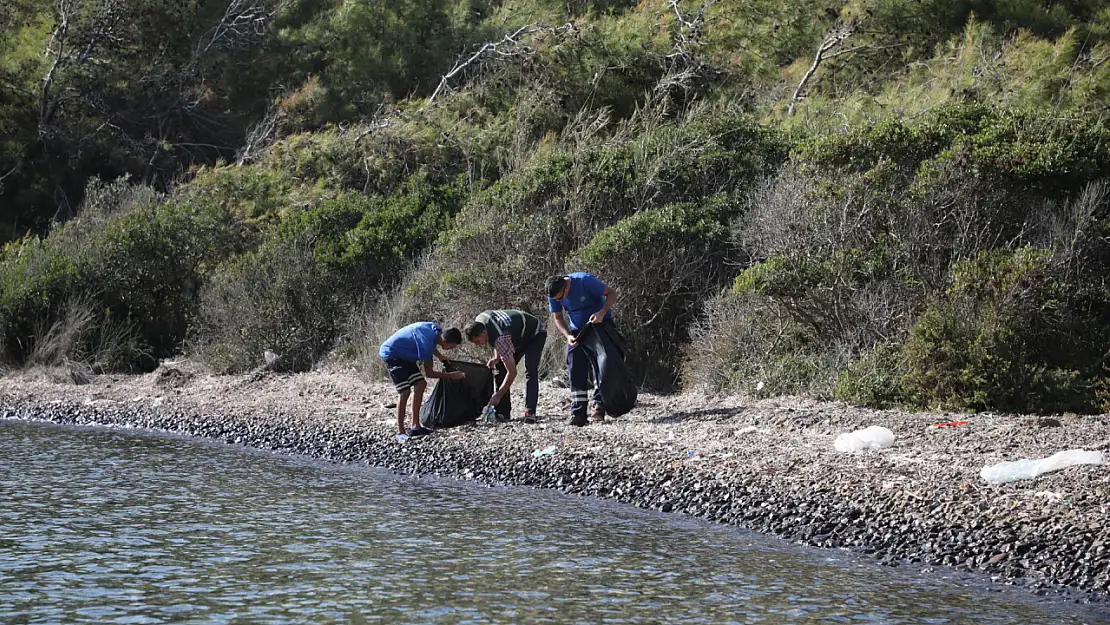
(767, 465)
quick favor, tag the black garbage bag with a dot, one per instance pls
(455, 402)
(606, 350)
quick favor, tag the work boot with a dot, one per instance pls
(598, 414)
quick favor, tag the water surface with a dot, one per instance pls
(113, 526)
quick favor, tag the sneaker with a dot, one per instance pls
(530, 417)
(579, 421)
(420, 431)
(598, 415)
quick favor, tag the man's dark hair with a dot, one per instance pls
(554, 284)
(452, 336)
(474, 329)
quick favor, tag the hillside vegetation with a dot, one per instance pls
(889, 202)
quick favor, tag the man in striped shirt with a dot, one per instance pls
(515, 336)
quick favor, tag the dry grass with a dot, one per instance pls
(82, 342)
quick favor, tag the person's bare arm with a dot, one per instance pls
(561, 324)
(610, 299)
(432, 374)
(507, 383)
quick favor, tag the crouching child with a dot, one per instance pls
(408, 357)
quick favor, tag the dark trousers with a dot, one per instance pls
(529, 354)
(584, 375)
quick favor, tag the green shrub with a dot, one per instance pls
(135, 261)
(508, 237)
(873, 379)
(750, 343)
(1005, 337)
(34, 279)
(295, 294)
(150, 265)
(685, 246)
(1017, 150)
(277, 298)
(368, 239)
(251, 191)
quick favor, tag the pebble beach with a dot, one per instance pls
(769, 465)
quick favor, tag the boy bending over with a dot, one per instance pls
(404, 353)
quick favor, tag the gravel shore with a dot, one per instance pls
(768, 465)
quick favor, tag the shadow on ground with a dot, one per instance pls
(704, 414)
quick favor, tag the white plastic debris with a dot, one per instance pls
(543, 452)
(1005, 472)
(269, 357)
(873, 437)
(489, 415)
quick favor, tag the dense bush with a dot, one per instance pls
(295, 293)
(34, 279)
(276, 298)
(510, 236)
(133, 258)
(661, 262)
(874, 378)
(864, 235)
(1005, 336)
(747, 342)
(878, 201)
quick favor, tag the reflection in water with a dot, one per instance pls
(105, 526)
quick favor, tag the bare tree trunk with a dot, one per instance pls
(825, 51)
(56, 48)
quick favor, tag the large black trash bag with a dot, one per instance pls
(455, 402)
(605, 348)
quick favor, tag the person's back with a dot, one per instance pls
(519, 325)
(415, 342)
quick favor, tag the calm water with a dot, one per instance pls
(103, 526)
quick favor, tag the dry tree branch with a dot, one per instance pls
(56, 47)
(836, 37)
(689, 34)
(242, 22)
(694, 24)
(5, 176)
(511, 45)
(260, 136)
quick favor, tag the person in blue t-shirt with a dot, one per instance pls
(585, 300)
(404, 353)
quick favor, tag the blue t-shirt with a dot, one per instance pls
(585, 297)
(415, 342)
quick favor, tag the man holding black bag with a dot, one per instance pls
(587, 301)
(516, 337)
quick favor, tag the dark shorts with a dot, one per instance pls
(403, 374)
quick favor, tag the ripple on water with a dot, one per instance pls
(104, 526)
